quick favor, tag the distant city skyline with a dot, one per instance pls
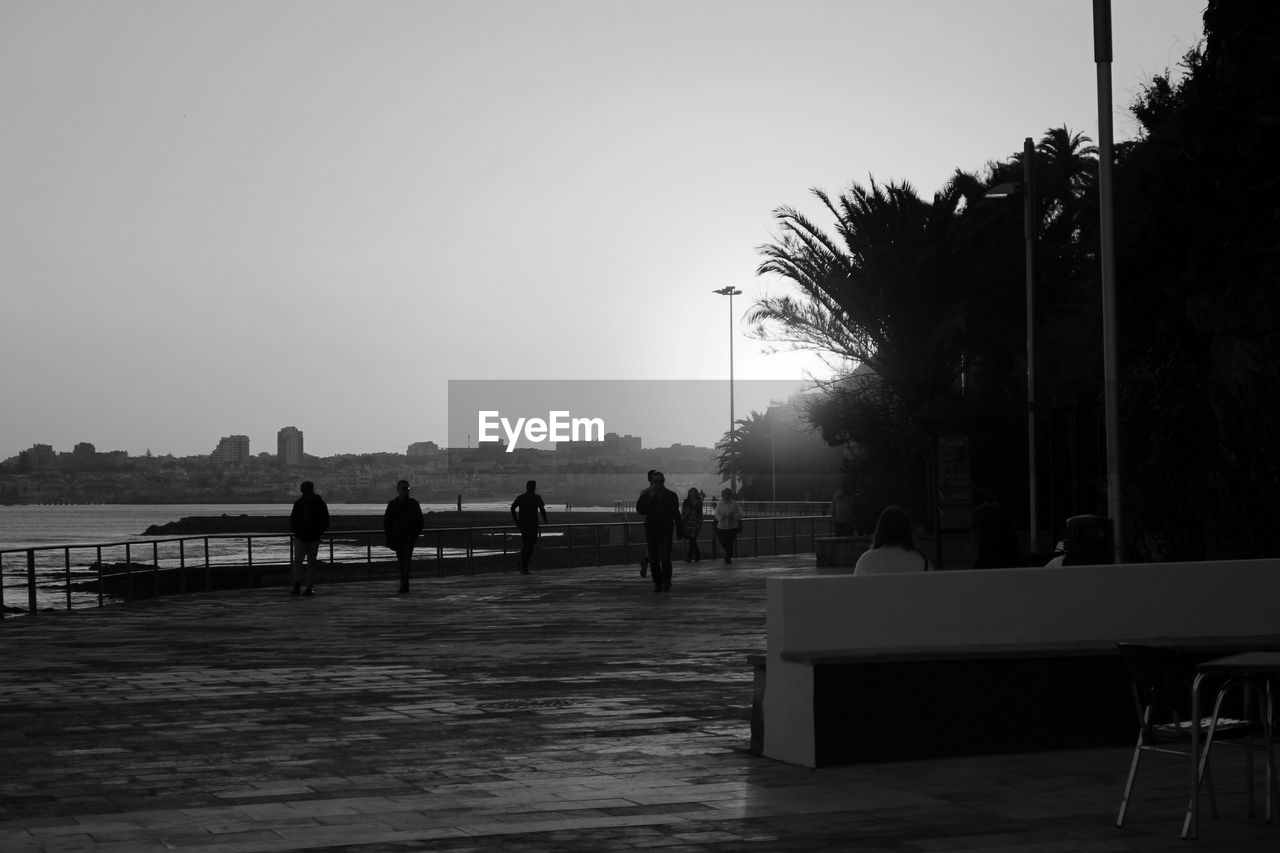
(221, 218)
(238, 446)
(661, 413)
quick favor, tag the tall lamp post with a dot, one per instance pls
(731, 292)
(1106, 228)
(1028, 190)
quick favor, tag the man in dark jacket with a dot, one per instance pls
(524, 512)
(402, 522)
(308, 521)
(661, 510)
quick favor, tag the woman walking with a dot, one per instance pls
(691, 515)
(728, 523)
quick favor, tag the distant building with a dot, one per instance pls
(357, 479)
(289, 446)
(423, 448)
(84, 450)
(40, 456)
(231, 450)
(627, 445)
(612, 446)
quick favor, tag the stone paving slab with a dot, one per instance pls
(568, 710)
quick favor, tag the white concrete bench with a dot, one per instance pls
(1008, 615)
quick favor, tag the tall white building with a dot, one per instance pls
(289, 446)
(231, 450)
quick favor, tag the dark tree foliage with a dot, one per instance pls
(777, 455)
(1198, 231)
(887, 290)
(929, 297)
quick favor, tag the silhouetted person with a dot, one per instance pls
(995, 544)
(893, 547)
(661, 510)
(644, 558)
(691, 516)
(402, 523)
(524, 511)
(308, 521)
(728, 523)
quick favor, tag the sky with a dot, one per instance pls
(227, 217)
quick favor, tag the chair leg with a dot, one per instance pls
(1205, 769)
(1248, 769)
(1128, 786)
(1208, 784)
(1204, 777)
(1250, 701)
(1268, 744)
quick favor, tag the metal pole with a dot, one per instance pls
(1106, 201)
(731, 292)
(66, 565)
(128, 572)
(33, 606)
(733, 477)
(1029, 235)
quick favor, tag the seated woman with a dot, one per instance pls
(893, 548)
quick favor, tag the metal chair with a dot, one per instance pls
(1161, 680)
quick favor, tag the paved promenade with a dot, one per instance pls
(570, 710)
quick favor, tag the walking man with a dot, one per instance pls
(644, 558)
(308, 522)
(402, 523)
(524, 510)
(661, 510)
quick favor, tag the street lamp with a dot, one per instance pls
(1028, 190)
(731, 292)
(1107, 255)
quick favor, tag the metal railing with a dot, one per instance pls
(753, 509)
(178, 565)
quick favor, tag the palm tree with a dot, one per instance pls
(745, 451)
(883, 291)
(927, 295)
(891, 290)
